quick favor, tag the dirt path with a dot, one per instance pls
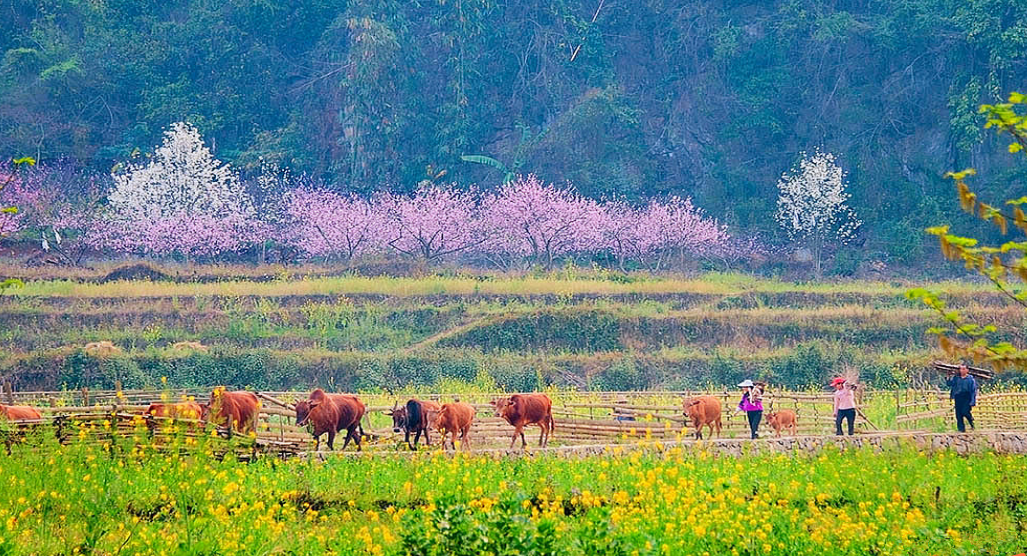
(449, 332)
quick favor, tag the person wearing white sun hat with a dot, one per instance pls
(751, 404)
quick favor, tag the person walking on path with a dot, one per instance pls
(844, 405)
(964, 393)
(752, 405)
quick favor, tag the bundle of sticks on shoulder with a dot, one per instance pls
(976, 372)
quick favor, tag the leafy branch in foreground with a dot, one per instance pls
(10, 212)
(998, 263)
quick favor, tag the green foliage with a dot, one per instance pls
(998, 263)
(489, 161)
(622, 375)
(81, 369)
(453, 528)
(807, 365)
(191, 497)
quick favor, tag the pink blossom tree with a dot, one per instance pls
(326, 224)
(435, 222)
(66, 205)
(539, 222)
(654, 234)
(675, 228)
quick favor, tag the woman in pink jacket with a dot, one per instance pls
(844, 405)
(752, 404)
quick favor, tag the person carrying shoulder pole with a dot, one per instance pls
(963, 391)
(752, 405)
(844, 405)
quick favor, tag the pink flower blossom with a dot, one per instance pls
(434, 222)
(529, 218)
(323, 223)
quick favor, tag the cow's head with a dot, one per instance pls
(434, 416)
(692, 407)
(772, 418)
(213, 404)
(502, 406)
(399, 417)
(303, 410)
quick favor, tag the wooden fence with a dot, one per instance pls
(586, 417)
(931, 409)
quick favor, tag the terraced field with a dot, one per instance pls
(593, 331)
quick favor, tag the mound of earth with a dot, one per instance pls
(138, 271)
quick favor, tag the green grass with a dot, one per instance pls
(712, 283)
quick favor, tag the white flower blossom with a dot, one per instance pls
(812, 205)
(182, 177)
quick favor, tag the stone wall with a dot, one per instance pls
(1005, 442)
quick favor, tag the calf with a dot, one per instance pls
(235, 410)
(783, 419)
(521, 410)
(331, 413)
(183, 410)
(19, 413)
(703, 411)
(452, 418)
(414, 417)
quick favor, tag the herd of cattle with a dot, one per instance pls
(333, 413)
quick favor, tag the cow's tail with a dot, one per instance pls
(552, 423)
(414, 415)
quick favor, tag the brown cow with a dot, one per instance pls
(182, 410)
(527, 409)
(703, 411)
(19, 412)
(783, 419)
(452, 418)
(235, 410)
(331, 413)
(415, 417)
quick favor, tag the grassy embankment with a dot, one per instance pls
(588, 330)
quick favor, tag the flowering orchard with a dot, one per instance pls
(135, 498)
(183, 201)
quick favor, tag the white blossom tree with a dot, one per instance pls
(183, 175)
(811, 205)
(181, 200)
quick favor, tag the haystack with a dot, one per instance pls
(190, 346)
(103, 348)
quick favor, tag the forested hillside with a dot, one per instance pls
(708, 99)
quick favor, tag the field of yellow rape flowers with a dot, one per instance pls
(132, 497)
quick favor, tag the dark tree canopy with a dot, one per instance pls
(708, 99)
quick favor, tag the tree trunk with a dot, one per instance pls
(818, 242)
